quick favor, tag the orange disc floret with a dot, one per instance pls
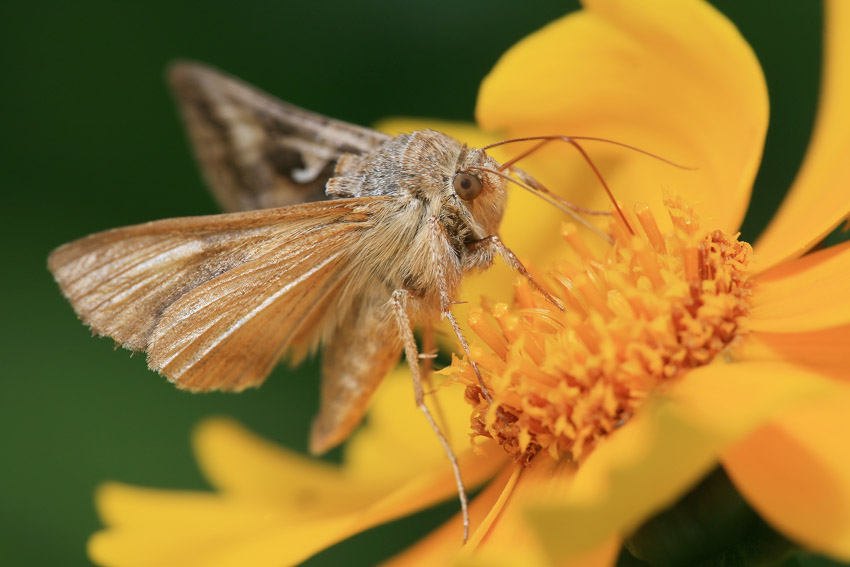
(640, 314)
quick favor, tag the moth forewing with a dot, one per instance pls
(214, 300)
(254, 150)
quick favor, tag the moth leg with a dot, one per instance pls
(427, 356)
(399, 300)
(440, 238)
(495, 244)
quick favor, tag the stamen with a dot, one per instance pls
(571, 235)
(650, 227)
(486, 333)
(637, 316)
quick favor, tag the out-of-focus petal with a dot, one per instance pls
(275, 507)
(823, 351)
(543, 479)
(733, 399)
(505, 529)
(820, 196)
(795, 472)
(672, 77)
(668, 446)
(500, 534)
(641, 468)
(396, 443)
(154, 527)
(441, 547)
(806, 294)
(243, 465)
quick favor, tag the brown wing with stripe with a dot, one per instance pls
(214, 300)
(256, 151)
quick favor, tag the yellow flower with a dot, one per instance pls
(678, 350)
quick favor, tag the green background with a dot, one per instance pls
(90, 141)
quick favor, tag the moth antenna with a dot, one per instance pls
(525, 177)
(573, 141)
(546, 139)
(523, 155)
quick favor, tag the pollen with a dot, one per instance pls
(636, 316)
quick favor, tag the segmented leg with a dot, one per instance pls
(399, 299)
(427, 356)
(494, 242)
(438, 239)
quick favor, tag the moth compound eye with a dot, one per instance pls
(467, 186)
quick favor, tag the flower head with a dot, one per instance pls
(637, 316)
(679, 347)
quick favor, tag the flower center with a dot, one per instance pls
(636, 316)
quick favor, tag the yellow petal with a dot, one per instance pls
(823, 351)
(241, 464)
(276, 507)
(393, 466)
(154, 527)
(398, 458)
(442, 546)
(819, 198)
(500, 535)
(158, 527)
(806, 294)
(733, 399)
(641, 468)
(121, 505)
(672, 77)
(431, 486)
(796, 473)
(668, 446)
(510, 529)
(396, 443)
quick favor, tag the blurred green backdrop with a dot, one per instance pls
(90, 140)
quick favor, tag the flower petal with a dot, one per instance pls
(795, 472)
(666, 448)
(397, 443)
(806, 294)
(819, 198)
(442, 546)
(243, 465)
(823, 351)
(733, 399)
(157, 527)
(500, 532)
(276, 507)
(672, 77)
(643, 467)
(543, 478)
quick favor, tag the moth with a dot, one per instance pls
(336, 235)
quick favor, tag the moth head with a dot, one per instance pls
(467, 186)
(455, 179)
(479, 191)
